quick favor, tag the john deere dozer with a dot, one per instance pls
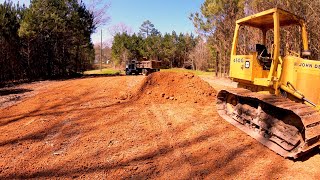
(278, 96)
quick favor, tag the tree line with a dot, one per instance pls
(48, 39)
(174, 50)
(216, 22)
(51, 39)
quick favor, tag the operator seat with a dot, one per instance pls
(264, 58)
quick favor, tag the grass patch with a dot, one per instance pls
(106, 71)
(111, 71)
(196, 72)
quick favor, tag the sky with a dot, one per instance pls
(21, 1)
(166, 15)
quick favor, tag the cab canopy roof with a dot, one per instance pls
(264, 19)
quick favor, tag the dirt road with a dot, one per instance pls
(161, 126)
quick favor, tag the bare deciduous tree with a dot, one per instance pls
(200, 56)
(99, 10)
(119, 29)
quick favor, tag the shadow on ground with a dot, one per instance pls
(4, 92)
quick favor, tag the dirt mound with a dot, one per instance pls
(162, 87)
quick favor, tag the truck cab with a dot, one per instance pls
(131, 67)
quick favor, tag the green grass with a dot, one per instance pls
(111, 71)
(196, 72)
(106, 71)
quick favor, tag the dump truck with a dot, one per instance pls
(142, 67)
(277, 100)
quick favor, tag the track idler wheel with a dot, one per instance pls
(231, 103)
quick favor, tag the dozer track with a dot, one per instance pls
(286, 127)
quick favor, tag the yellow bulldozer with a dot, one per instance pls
(278, 96)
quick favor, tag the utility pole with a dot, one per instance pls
(101, 53)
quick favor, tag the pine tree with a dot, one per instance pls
(59, 31)
(148, 29)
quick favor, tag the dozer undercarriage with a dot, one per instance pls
(286, 127)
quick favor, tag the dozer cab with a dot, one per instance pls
(277, 99)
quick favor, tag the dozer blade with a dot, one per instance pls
(288, 128)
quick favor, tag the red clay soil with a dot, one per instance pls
(177, 87)
(163, 126)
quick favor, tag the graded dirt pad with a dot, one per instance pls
(124, 127)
